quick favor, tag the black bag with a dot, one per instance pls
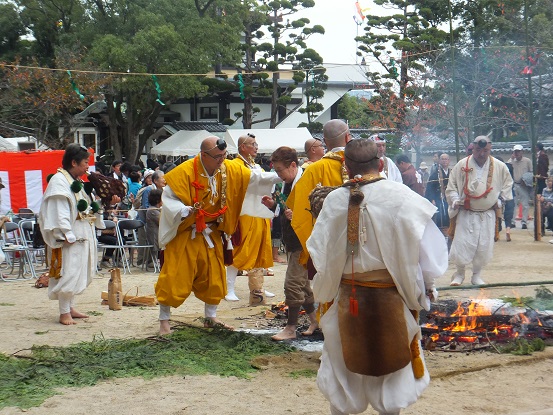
(38, 240)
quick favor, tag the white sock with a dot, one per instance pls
(210, 310)
(164, 312)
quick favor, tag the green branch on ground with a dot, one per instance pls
(29, 380)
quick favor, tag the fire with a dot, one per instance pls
(477, 323)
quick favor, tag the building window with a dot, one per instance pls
(209, 113)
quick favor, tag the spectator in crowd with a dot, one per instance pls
(116, 169)
(435, 163)
(158, 182)
(509, 206)
(435, 193)
(411, 178)
(546, 200)
(152, 219)
(100, 166)
(542, 170)
(523, 192)
(134, 184)
(423, 171)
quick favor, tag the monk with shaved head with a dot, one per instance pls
(202, 202)
(328, 171)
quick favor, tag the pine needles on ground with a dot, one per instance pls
(28, 380)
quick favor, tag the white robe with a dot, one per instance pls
(475, 228)
(399, 236)
(393, 172)
(58, 219)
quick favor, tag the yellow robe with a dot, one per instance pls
(189, 264)
(255, 249)
(326, 172)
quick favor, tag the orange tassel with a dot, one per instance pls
(353, 307)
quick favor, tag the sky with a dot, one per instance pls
(338, 44)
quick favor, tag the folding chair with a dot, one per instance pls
(118, 247)
(15, 247)
(130, 226)
(26, 230)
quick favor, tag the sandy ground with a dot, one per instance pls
(476, 383)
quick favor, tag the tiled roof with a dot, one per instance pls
(212, 127)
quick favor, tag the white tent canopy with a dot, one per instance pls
(187, 143)
(271, 139)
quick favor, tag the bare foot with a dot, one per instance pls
(288, 333)
(76, 314)
(66, 319)
(164, 327)
(279, 260)
(312, 328)
(214, 322)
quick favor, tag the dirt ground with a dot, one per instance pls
(475, 383)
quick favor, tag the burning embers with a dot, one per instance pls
(477, 324)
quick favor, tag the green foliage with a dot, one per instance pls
(523, 347)
(28, 382)
(305, 373)
(542, 301)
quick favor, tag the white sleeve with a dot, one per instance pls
(171, 215)
(260, 184)
(433, 260)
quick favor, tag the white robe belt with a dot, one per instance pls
(205, 233)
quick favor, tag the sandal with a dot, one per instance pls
(269, 272)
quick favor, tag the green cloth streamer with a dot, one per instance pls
(74, 86)
(241, 85)
(158, 90)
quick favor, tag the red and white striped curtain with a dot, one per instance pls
(24, 177)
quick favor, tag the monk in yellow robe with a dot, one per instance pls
(203, 199)
(328, 171)
(254, 251)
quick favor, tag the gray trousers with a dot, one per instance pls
(522, 196)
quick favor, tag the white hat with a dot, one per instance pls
(148, 173)
(517, 147)
(423, 165)
(377, 139)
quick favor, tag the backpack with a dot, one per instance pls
(138, 199)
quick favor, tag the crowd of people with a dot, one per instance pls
(365, 252)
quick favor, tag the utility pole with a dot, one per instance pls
(453, 76)
(533, 141)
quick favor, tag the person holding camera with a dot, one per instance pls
(478, 186)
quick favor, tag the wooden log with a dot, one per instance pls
(135, 300)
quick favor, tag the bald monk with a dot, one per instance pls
(203, 199)
(314, 150)
(328, 171)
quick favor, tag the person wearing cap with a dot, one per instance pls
(423, 171)
(371, 353)
(523, 191)
(314, 150)
(435, 192)
(202, 201)
(254, 252)
(328, 171)
(478, 186)
(389, 169)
